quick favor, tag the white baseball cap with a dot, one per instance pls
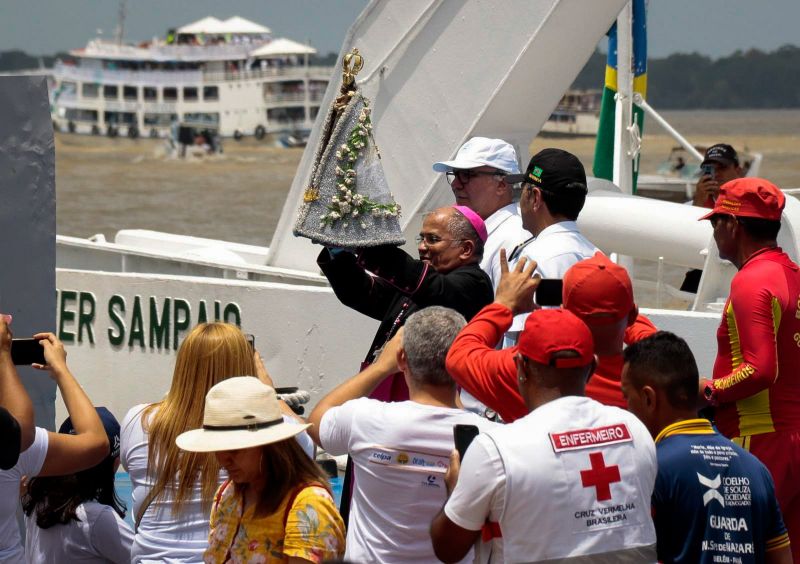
(482, 151)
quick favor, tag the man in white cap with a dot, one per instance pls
(477, 177)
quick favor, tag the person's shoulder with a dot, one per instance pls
(134, 414)
(366, 405)
(91, 511)
(312, 494)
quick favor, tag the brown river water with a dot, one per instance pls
(104, 185)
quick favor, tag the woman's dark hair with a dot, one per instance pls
(55, 499)
(286, 466)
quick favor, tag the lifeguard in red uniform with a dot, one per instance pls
(756, 379)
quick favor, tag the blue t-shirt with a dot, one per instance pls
(713, 501)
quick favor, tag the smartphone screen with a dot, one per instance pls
(548, 292)
(27, 351)
(707, 170)
(463, 436)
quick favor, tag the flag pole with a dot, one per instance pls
(623, 160)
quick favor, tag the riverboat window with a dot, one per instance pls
(159, 119)
(209, 118)
(74, 114)
(67, 90)
(130, 92)
(286, 115)
(150, 93)
(110, 92)
(210, 93)
(119, 118)
(170, 94)
(316, 89)
(90, 90)
(189, 93)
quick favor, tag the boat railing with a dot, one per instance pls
(163, 52)
(285, 97)
(317, 72)
(113, 76)
(179, 77)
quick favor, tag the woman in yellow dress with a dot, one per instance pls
(276, 505)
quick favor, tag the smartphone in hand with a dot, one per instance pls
(463, 436)
(27, 351)
(549, 292)
(708, 170)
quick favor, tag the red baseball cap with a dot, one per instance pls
(597, 288)
(548, 331)
(749, 197)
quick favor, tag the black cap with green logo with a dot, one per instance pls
(552, 170)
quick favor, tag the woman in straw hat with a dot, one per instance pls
(173, 490)
(276, 506)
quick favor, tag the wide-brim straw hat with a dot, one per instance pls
(240, 412)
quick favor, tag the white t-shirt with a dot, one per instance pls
(99, 536)
(29, 464)
(555, 250)
(572, 478)
(163, 536)
(505, 231)
(400, 452)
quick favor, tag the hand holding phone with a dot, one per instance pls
(27, 351)
(708, 170)
(463, 435)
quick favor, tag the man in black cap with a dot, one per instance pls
(553, 193)
(724, 162)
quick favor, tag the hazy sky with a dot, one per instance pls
(712, 27)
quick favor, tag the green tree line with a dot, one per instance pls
(744, 79)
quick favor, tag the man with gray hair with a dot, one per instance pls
(400, 450)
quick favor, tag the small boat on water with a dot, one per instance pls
(576, 115)
(231, 73)
(678, 174)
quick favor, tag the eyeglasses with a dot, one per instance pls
(465, 176)
(431, 240)
(715, 219)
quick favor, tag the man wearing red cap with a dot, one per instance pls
(598, 291)
(756, 383)
(571, 479)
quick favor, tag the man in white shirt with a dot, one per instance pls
(478, 178)
(553, 194)
(400, 450)
(571, 479)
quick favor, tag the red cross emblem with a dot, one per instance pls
(600, 476)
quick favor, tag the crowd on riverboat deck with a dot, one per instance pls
(586, 439)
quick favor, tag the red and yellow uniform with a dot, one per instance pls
(757, 372)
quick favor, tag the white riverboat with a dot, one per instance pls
(232, 75)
